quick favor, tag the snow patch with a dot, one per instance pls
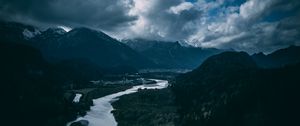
(59, 30)
(30, 34)
(67, 29)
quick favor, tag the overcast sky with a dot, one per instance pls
(248, 25)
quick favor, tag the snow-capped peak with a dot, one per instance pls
(30, 34)
(66, 29)
(57, 30)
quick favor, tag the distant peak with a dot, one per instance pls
(85, 30)
(81, 29)
(228, 60)
(66, 29)
(30, 34)
(231, 58)
(184, 43)
(259, 54)
(292, 47)
(56, 30)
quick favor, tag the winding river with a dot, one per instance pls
(100, 114)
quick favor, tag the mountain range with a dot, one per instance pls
(278, 58)
(106, 52)
(230, 89)
(224, 88)
(171, 55)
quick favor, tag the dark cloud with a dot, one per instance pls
(104, 14)
(164, 19)
(248, 25)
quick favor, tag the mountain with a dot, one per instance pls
(16, 32)
(279, 58)
(227, 63)
(32, 91)
(33, 87)
(49, 35)
(171, 55)
(57, 46)
(229, 89)
(95, 46)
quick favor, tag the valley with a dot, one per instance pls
(84, 77)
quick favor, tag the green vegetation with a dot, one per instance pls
(230, 90)
(146, 108)
(35, 91)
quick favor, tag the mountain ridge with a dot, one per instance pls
(278, 58)
(171, 54)
(228, 90)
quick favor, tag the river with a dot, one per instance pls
(100, 114)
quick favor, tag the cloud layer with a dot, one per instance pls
(248, 25)
(104, 14)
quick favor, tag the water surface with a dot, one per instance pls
(100, 114)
